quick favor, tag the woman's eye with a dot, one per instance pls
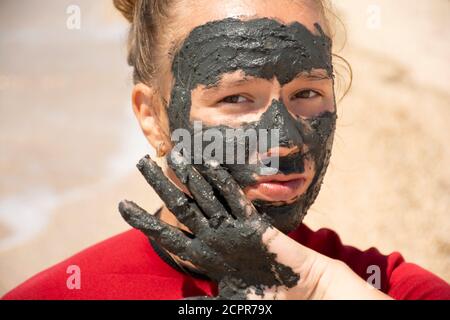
(306, 94)
(234, 99)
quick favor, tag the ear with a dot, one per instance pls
(152, 116)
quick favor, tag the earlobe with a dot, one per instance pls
(148, 110)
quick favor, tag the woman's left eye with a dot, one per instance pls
(306, 94)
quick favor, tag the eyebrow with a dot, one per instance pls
(230, 83)
(313, 75)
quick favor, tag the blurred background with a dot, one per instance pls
(69, 140)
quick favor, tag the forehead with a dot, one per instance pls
(260, 47)
(188, 16)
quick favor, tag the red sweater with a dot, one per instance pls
(127, 267)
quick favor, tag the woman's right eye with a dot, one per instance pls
(234, 99)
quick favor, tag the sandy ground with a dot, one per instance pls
(70, 143)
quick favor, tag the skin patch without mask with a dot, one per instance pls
(262, 48)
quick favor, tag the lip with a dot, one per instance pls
(277, 187)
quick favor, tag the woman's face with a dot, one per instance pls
(263, 66)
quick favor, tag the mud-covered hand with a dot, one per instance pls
(229, 234)
(231, 243)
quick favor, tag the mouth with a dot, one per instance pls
(277, 188)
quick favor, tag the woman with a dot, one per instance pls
(230, 229)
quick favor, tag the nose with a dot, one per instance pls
(277, 117)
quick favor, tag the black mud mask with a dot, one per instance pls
(261, 48)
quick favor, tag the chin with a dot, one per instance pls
(285, 217)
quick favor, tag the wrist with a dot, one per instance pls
(311, 285)
(339, 282)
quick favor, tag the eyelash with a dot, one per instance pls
(234, 95)
(316, 94)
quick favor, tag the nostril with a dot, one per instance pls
(280, 152)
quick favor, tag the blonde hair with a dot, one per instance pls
(148, 18)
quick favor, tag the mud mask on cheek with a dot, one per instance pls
(262, 48)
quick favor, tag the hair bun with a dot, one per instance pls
(126, 7)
